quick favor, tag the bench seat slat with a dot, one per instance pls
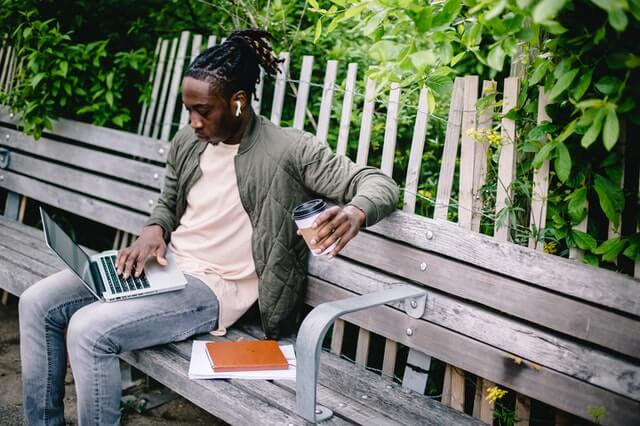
(100, 162)
(542, 383)
(125, 194)
(103, 137)
(596, 285)
(594, 324)
(593, 365)
(97, 210)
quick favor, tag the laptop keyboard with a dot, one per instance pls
(117, 283)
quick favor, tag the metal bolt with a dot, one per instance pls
(11, 115)
(342, 404)
(414, 304)
(423, 266)
(365, 397)
(429, 235)
(150, 202)
(389, 386)
(7, 136)
(409, 332)
(156, 175)
(1, 177)
(161, 151)
(318, 411)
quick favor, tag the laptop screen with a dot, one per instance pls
(68, 251)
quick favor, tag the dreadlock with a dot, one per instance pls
(235, 63)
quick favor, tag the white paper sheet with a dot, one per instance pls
(200, 367)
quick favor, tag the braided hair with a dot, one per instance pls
(235, 63)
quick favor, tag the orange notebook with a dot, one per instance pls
(246, 355)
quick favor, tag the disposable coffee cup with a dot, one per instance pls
(304, 215)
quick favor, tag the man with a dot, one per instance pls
(233, 179)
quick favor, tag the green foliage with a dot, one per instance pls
(60, 78)
(589, 68)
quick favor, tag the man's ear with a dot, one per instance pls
(240, 96)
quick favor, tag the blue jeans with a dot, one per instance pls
(95, 334)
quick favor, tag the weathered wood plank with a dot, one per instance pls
(211, 41)
(482, 408)
(196, 43)
(416, 371)
(366, 124)
(523, 410)
(507, 161)
(586, 322)
(595, 285)
(391, 130)
(303, 92)
(101, 137)
(448, 162)
(337, 336)
(154, 104)
(280, 88)
(390, 355)
(118, 192)
(540, 188)
(542, 383)
(347, 108)
(170, 107)
(76, 156)
(362, 348)
(327, 98)
(591, 364)
(164, 92)
(5, 67)
(97, 210)
(453, 388)
(467, 151)
(415, 156)
(145, 106)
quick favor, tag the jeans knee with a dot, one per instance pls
(33, 303)
(86, 337)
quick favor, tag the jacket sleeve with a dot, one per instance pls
(337, 178)
(164, 213)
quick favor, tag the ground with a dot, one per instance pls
(178, 412)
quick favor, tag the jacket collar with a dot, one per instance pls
(251, 134)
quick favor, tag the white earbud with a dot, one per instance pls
(238, 109)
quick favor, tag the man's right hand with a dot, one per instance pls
(149, 243)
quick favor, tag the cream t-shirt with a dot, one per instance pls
(213, 240)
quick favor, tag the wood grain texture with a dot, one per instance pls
(389, 358)
(337, 336)
(482, 408)
(362, 348)
(507, 161)
(303, 92)
(347, 108)
(595, 285)
(537, 345)
(467, 151)
(415, 155)
(453, 388)
(522, 410)
(364, 139)
(544, 384)
(328, 88)
(540, 189)
(280, 88)
(450, 152)
(586, 322)
(391, 130)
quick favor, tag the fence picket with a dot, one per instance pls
(367, 122)
(153, 104)
(195, 51)
(145, 106)
(540, 189)
(175, 86)
(279, 90)
(347, 108)
(327, 98)
(162, 105)
(391, 130)
(303, 92)
(415, 156)
(467, 151)
(211, 41)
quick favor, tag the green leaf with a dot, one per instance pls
(583, 85)
(423, 20)
(611, 129)
(67, 88)
(611, 198)
(422, 59)
(539, 72)
(547, 10)
(373, 23)
(618, 20)
(543, 154)
(563, 83)
(473, 36)
(611, 249)
(568, 131)
(608, 85)
(110, 80)
(109, 99)
(583, 240)
(495, 58)
(457, 58)
(496, 10)
(576, 207)
(385, 50)
(594, 130)
(562, 163)
(448, 13)
(334, 23)
(354, 10)
(37, 79)
(318, 32)
(608, 5)
(314, 4)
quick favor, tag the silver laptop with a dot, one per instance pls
(98, 272)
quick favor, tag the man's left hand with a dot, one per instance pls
(337, 223)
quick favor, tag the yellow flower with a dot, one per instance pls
(494, 393)
(470, 132)
(551, 247)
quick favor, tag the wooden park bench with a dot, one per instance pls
(549, 329)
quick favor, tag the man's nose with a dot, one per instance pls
(195, 120)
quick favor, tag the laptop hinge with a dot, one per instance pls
(97, 278)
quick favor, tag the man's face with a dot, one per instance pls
(209, 112)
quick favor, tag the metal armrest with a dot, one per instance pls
(315, 326)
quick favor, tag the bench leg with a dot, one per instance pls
(315, 326)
